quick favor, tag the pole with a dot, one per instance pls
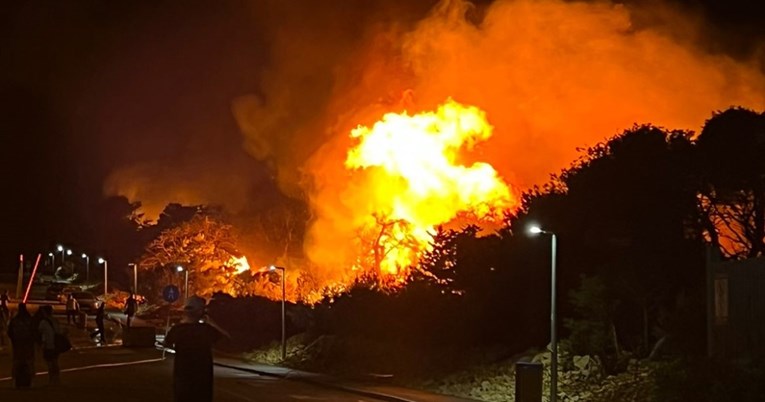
(186, 286)
(553, 323)
(87, 269)
(135, 278)
(32, 278)
(106, 277)
(20, 279)
(284, 328)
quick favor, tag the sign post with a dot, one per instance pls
(20, 279)
(170, 294)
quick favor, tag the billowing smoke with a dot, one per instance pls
(551, 75)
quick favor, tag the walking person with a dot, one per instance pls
(100, 332)
(48, 329)
(131, 306)
(72, 309)
(192, 339)
(22, 333)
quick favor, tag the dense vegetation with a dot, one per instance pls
(634, 217)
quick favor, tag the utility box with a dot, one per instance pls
(528, 382)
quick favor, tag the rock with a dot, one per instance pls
(582, 362)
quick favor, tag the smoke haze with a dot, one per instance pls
(551, 75)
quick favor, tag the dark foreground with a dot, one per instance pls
(117, 374)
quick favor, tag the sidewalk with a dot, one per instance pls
(382, 392)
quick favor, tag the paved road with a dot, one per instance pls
(87, 377)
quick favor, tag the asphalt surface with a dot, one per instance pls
(119, 374)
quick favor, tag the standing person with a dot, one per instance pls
(3, 327)
(192, 340)
(22, 333)
(100, 323)
(72, 308)
(131, 305)
(4, 299)
(48, 329)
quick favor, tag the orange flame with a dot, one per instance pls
(240, 264)
(412, 166)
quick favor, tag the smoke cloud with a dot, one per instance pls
(551, 75)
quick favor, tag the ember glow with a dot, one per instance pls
(412, 171)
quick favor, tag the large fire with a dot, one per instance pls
(551, 77)
(417, 181)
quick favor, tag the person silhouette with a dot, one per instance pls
(22, 332)
(192, 339)
(131, 306)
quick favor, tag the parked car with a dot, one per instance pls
(88, 302)
(64, 294)
(54, 291)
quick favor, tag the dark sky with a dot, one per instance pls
(87, 87)
(90, 86)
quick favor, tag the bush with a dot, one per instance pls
(705, 380)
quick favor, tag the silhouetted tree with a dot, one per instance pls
(732, 169)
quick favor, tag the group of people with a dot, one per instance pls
(192, 340)
(26, 333)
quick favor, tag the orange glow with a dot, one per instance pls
(533, 83)
(240, 264)
(410, 167)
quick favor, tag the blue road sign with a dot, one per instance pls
(171, 293)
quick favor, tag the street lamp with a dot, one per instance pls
(135, 277)
(186, 282)
(284, 328)
(106, 273)
(52, 260)
(60, 248)
(535, 230)
(87, 267)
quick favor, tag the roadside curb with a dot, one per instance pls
(286, 376)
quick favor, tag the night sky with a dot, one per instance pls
(88, 87)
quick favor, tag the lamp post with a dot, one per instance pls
(106, 274)
(87, 267)
(284, 327)
(135, 277)
(60, 248)
(52, 260)
(186, 282)
(553, 318)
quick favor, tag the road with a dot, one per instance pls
(137, 375)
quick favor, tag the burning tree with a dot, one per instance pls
(412, 176)
(204, 246)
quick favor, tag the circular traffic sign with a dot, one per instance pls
(171, 293)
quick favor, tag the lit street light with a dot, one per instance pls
(284, 328)
(186, 282)
(535, 230)
(60, 248)
(52, 260)
(106, 274)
